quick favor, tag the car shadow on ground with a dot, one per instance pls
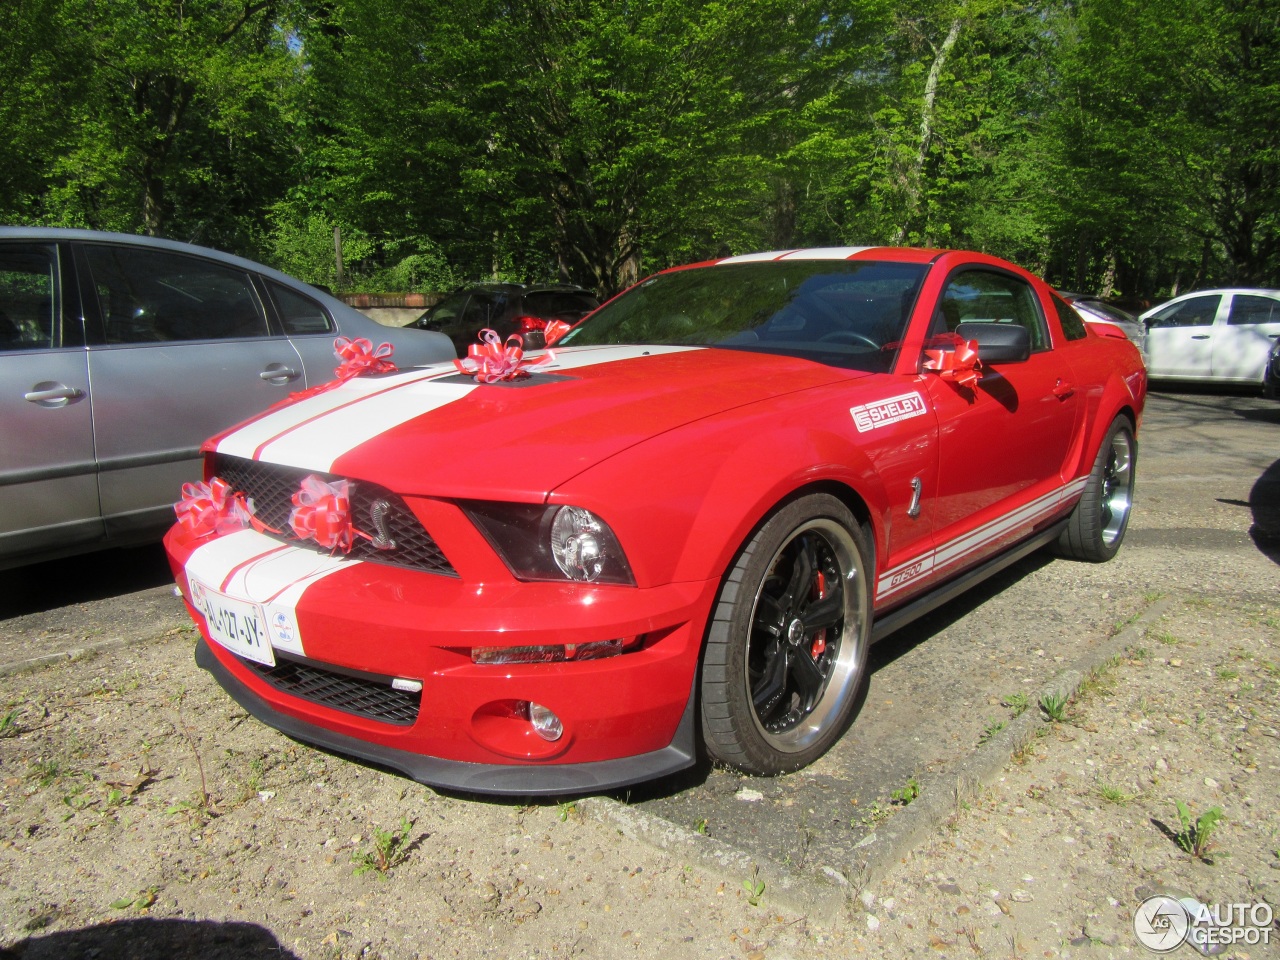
(83, 579)
(896, 645)
(146, 939)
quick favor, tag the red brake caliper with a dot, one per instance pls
(820, 641)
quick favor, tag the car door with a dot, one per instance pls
(1003, 443)
(184, 351)
(48, 475)
(1242, 339)
(1180, 338)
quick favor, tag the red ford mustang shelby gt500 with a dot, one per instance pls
(685, 528)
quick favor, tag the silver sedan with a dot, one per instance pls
(120, 355)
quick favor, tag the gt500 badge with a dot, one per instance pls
(884, 412)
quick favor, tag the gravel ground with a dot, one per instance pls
(142, 814)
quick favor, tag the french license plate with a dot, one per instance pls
(239, 626)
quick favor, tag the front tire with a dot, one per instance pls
(1098, 523)
(787, 648)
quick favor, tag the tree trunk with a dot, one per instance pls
(914, 188)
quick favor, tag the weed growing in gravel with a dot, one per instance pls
(141, 900)
(9, 724)
(1163, 636)
(700, 826)
(46, 771)
(1017, 702)
(1151, 596)
(1196, 835)
(1226, 673)
(991, 729)
(1054, 706)
(754, 887)
(873, 816)
(390, 849)
(1127, 621)
(1141, 653)
(566, 809)
(205, 802)
(908, 793)
(1115, 795)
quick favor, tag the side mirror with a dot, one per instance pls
(997, 342)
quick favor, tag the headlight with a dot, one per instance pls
(540, 542)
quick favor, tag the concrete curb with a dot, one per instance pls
(79, 653)
(63, 656)
(941, 796)
(822, 899)
(825, 899)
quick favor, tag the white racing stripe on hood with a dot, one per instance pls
(317, 444)
(313, 434)
(246, 441)
(569, 358)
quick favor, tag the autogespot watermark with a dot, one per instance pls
(1163, 922)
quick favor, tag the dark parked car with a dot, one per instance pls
(120, 354)
(506, 308)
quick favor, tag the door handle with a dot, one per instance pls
(279, 373)
(1200, 336)
(52, 393)
(1062, 389)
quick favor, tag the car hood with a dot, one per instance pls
(435, 432)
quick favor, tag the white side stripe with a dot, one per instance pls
(903, 575)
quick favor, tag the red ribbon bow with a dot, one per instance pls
(492, 361)
(360, 357)
(556, 329)
(322, 512)
(213, 507)
(957, 361)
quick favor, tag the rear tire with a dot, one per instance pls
(1098, 523)
(787, 648)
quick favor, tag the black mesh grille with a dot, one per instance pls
(271, 488)
(365, 696)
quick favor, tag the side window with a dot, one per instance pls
(446, 311)
(1196, 312)
(977, 295)
(152, 295)
(1072, 324)
(1246, 308)
(28, 296)
(483, 310)
(298, 313)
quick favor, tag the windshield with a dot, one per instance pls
(838, 312)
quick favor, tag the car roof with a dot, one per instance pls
(65, 234)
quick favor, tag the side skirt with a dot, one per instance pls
(951, 589)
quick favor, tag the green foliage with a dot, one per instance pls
(1117, 145)
(904, 795)
(754, 887)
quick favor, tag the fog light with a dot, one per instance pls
(545, 723)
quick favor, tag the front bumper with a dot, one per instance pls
(557, 780)
(626, 718)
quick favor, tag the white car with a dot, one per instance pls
(1223, 336)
